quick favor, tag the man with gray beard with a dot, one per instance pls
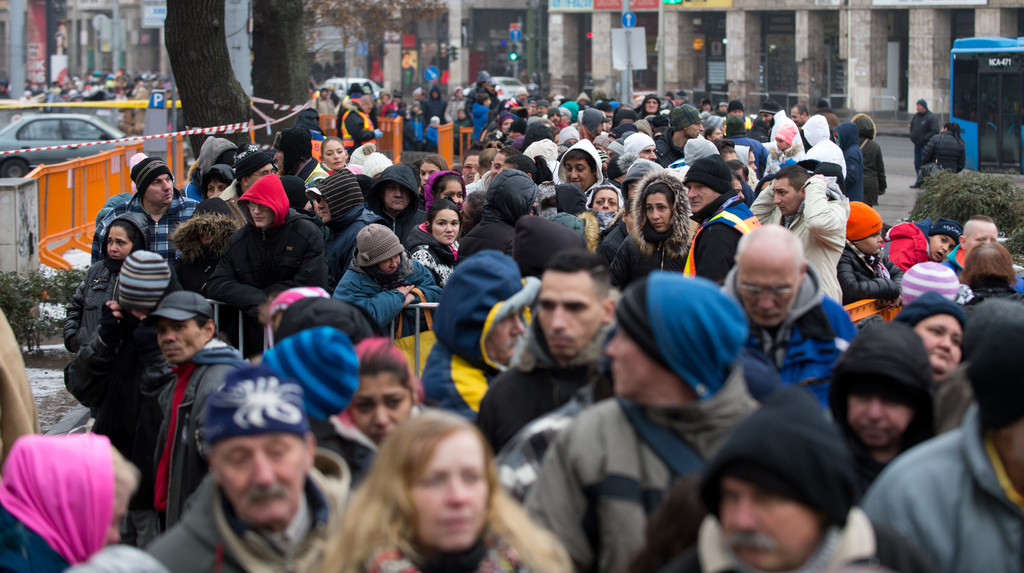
(782, 495)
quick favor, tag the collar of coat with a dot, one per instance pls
(535, 353)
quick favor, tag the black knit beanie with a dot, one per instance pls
(631, 314)
(146, 171)
(995, 376)
(296, 144)
(250, 158)
(735, 105)
(713, 172)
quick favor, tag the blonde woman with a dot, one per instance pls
(432, 501)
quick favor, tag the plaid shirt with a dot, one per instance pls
(181, 210)
(520, 460)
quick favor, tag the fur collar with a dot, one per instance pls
(776, 153)
(591, 230)
(187, 238)
(678, 244)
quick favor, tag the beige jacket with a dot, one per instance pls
(17, 406)
(821, 226)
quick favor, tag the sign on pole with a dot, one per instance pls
(153, 13)
(628, 19)
(431, 73)
(515, 34)
(629, 48)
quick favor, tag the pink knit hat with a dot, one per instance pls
(787, 132)
(929, 276)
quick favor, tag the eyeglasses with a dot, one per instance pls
(757, 292)
(269, 170)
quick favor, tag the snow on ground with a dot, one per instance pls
(46, 378)
(78, 259)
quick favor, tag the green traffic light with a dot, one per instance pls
(513, 56)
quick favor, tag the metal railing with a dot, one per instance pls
(417, 306)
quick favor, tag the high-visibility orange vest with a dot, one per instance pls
(346, 137)
(734, 213)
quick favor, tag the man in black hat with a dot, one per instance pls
(761, 130)
(295, 155)
(782, 496)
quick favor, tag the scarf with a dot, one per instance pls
(818, 561)
(491, 554)
(787, 220)
(604, 219)
(874, 262)
(652, 236)
(387, 281)
(113, 265)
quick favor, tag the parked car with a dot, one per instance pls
(46, 130)
(506, 86)
(341, 85)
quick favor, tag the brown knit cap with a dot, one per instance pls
(376, 243)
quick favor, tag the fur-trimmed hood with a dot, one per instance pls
(865, 125)
(188, 237)
(591, 230)
(796, 149)
(678, 244)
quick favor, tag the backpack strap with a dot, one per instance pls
(680, 458)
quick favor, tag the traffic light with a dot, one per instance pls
(513, 56)
(513, 51)
(453, 53)
(673, 1)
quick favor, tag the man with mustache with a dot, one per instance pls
(782, 495)
(272, 501)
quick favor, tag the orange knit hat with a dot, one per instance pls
(864, 221)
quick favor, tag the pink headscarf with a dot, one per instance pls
(62, 488)
(282, 301)
(428, 188)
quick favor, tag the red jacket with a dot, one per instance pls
(908, 246)
(269, 192)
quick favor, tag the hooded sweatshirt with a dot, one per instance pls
(822, 149)
(435, 105)
(212, 148)
(587, 146)
(408, 218)
(509, 197)
(854, 174)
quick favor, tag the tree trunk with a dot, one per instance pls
(201, 65)
(280, 60)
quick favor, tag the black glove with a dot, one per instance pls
(109, 330)
(146, 343)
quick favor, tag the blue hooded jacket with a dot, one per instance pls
(848, 142)
(482, 290)
(342, 241)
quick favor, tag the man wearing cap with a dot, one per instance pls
(483, 84)
(923, 127)
(163, 206)
(542, 108)
(782, 497)
(957, 497)
(685, 125)
(340, 206)
(356, 128)
(184, 366)
(722, 215)
(642, 145)
(272, 501)
(295, 155)
(679, 392)
(484, 311)
(761, 130)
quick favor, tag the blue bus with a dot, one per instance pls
(985, 87)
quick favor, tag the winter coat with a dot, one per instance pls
(923, 127)
(759, 131)
(435, 257)
(823, 150)
(351, 116)
(989, 290)
(603, 527)
(180, 210)
(874, 165)
(777, 159)
(359, 288)
(258, 263)
(188, 464)
(893, 355)
(198, 261)
(451, 111)
(667, 151)
(341, 243)
(613, 240)
(509, 197)
(908, 243)
(435, 106)
(638, 257)
(458, 370)
(83, 313)
(854, 176)
(408, 218)
(210, 537)
(860, 282)
(535, 385)
(714, 246)
(538, 239)
(208, 154)
(820, 225)
(230, 196)
(24, 550)
(945, 497)
(479, 113)
(947, 150)
(759, 150)
(804, 347)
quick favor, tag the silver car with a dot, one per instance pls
(47, 130)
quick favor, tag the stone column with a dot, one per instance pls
(678, 50)
(929, 58)
(564, 51)
(458, 71)
(603, 73)
(810, 55)
(1000, 22)
(743, 52)
(867, 60)
(393, 67)
(19, 225)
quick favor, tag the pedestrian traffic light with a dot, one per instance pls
(513, 56)
(513, 51)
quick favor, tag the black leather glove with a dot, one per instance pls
(146, 343)
(109, 330)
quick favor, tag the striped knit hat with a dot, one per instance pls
(341, 191)
(929, 276)
(145, 172)
(144, 278)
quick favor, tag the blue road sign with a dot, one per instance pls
(156, 99)
(515, 34)
(431, 73)
(628, 20)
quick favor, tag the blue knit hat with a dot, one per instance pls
(323, 361)
(698, 329)
(254, 401)
(930, 304)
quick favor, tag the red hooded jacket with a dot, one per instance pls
(269, 192)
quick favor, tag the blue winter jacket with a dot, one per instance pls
(482, 290)
(360, 289)
(25, 551)
(342, 242)
(848, 142)
(480, 112)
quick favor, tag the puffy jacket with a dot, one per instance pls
(859, 281)
(342, 241)
(83, 314)
(804, 347)
(822, 148)
(435, 105)
(908, 243)
(259, 263)
(777, 159)
(945, 497)
(890, 354)
(408, 218)
(874, 165)
(666, 150)
(821, 226)
(198, 260)
(188, 464)
(509, 197)
(481, 292)
(638, 257)
(360, 289)
(613, 240)
(923, 127)
(854, 175)
(435, 257)
(948, 150)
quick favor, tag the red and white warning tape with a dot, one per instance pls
(229, 128)
(278, 106)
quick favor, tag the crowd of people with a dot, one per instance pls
(633, 356)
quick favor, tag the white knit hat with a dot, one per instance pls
(375, 164)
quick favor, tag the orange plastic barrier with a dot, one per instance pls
(392, 140)
(862, 309)
(446, 143)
